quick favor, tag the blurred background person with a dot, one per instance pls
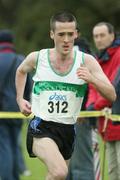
(81, 165)
(108, 55)
(11, 158)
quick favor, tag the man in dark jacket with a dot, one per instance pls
(81, 164)
(10, 129)
(108, 45)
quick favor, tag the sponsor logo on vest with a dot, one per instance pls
(57, 97)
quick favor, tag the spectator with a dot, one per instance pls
(108, 46)
(10, 129)
(81, 164)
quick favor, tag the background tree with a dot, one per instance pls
(30, 19)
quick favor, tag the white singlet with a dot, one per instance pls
(57, 97)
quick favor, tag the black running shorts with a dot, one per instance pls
(62, 134)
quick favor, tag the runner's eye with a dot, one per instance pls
(70, 34)
(61, 34)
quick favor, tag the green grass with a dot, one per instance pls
(38, 169)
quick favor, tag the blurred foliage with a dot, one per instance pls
(30, 19)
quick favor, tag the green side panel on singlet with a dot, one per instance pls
(83, 59)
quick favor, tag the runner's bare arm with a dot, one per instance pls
(28, 65)
(92, 73)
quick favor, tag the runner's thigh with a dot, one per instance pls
(47, 150)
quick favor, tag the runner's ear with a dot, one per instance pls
(52, 34)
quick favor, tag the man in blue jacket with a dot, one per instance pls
(9, 128)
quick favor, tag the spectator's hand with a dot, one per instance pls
(107, 110)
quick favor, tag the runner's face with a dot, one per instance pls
(64, 36)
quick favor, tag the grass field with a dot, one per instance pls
(38, 169)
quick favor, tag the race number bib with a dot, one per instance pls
(56, 103)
